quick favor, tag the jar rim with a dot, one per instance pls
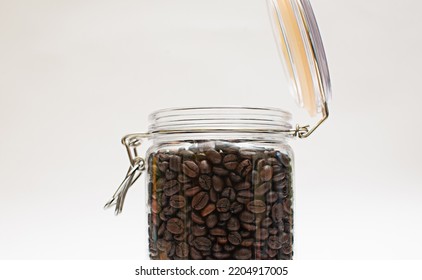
(228, 118)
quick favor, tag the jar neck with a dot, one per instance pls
(214, 123)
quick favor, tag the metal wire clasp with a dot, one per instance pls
(132, 143)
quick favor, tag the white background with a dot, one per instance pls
(75, 76)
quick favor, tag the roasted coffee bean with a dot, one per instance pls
(195, 254)
(244, 167)
(164, 245)
(221, 255)
(234, 178)
(236, 207)
(204, 167)
(277, 213)
(190, 169)
(247, 242)
(175, 163)
(199, 230)
(235, 238)
(213, 195)
(271, 197)
(279, 177)
(183, 179)
(177, 201)
(217, 183)
(266, 173)
(229, 247)
(267, 222)
(163, 166)
(217, 247)
(247, 217)
(287, 206)
(211, 221)
(262, 234)
(171, 187)
(229, 193)
(233, 224)
(205, 182)
(220, 171)
(230, 162)
(197, 218)
(222, 240)
(200, 200)
(190, 191)
(170, 175)
(245, 194)
(175, 226)
(208, 210)
(182, 250)
(263, 189)
(202, 243)
(257, 206)
(213, 156)
(242, 186)
(243, 254)
(249, 154)
(223, 205)
(286, 248)
(249, 227)
(218, 232)
(224, 217)
(274, 242)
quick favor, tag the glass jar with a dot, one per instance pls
(220, 180)
(224, 192)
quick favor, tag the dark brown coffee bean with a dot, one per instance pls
(274, 242)
(197, 219)
(175, 163)
(164, 245)
(245, 153)
(222, 240)
(217, 247)
(286, 248)
(229, 247)
(163, 166)
(257, 206)
(183, 179)
(213, 195)
(170, 175)
(171, 187)
(211, 221)
(235, 238)
(205, 167)
(262, 234)
(263, 189)
(175, 226)
(177, 201)
(236, 207)
(277, 213)
(213, 156)
(221, 255)
(217, 183)
(287, 206)
(242, 186)
(245, 194)
(223, 205)
(208, 210)
(224, 217)
(202, 243)
(195, 254)
(218, 232)
(247, 217)
(271, 197)
(191, 191)
(182, 250)
(233, 224)
(229, 193)
(181, 237)
(247, 242)
(220, 171)
(199, 230)
(234, 178)
(190, 169)
(267, 222)
(244, 168)
(266, 173)
(243, 254)
(249, 227)
(230, 162)
(169, 211)
(200, 200)
(205, 182)
(279, 177)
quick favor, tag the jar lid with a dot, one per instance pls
(302, 52)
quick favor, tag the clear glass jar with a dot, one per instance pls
(220, 184)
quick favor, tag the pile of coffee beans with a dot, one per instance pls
(220, 201)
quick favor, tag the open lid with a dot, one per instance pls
(302, 52)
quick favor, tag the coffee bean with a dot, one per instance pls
(262, 234)
(218, 232)
(175, 163)
(190, 169)
(220, 171)
(236, 207)
(249, 154)
(274, 242)
(271, 197)
(208, 210)
(244, 167)
(182, 250)
(247, 242)
(190, 191)
(235, 238)
(205, 182)
(224, 217)
(205, 167)
(277, 213)
(257, 206)
(242, 186)
(197, 219)
(286, 248)
(266, 173)
(163, 166)
(175, 226)
(245, 194)
(243, 254)
(202, 243)
(230, 162)
(164, 245)
(199, 230)
(171, 187)
(200, 200)
(211, 221)
(279, 177)
(177, 201)
(266, 222)
(247, 217)
(213, 195)
(194, 253)
(221, 255)
(217, 183)
(213, 156)
(183, 179)
(229, 193)
(263, 189)
(223, 205)
(234, 178)
(233, 224)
